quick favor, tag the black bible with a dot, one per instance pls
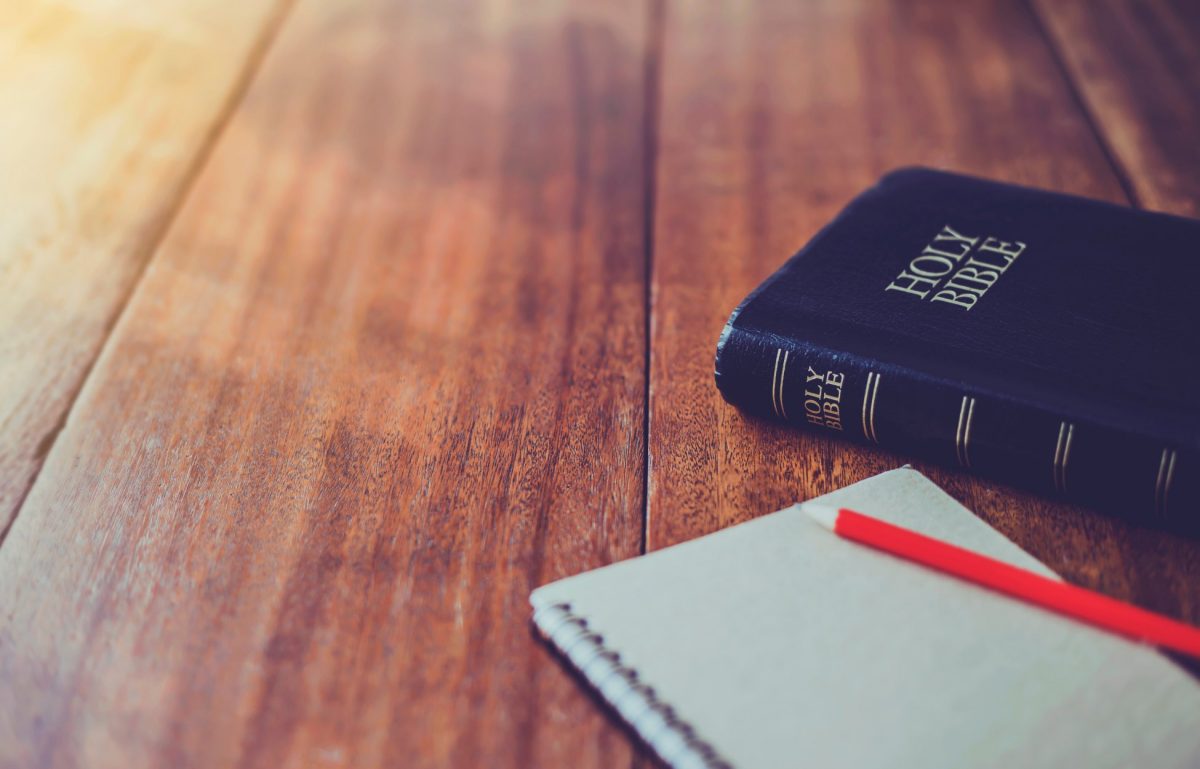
(1040, 339)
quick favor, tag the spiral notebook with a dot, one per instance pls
(775, 644)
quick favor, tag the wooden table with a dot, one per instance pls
(331, 329)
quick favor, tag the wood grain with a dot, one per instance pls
(386, 373)
(106, 110)
(773, 115)
(1136, 64)
(384, 376)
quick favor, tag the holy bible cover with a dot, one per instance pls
(1040, 339)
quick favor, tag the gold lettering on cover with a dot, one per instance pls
(962, 435)
(913, 281)
(965, 300)
(931, 266)
(948, 233)
(942, 260)
(983, 278)
(982, 261)
(1008, 251)
(951, 256)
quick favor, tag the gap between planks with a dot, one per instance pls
(651, 104)
(154, 239)
(1081, 103)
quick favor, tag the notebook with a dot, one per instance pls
(776, 644)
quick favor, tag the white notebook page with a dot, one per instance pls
(783, 645)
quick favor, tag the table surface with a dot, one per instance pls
(331, 329)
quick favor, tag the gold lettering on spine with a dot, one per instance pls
(1162, 486)
(962, 435)
(823, 397)
(1062, 455)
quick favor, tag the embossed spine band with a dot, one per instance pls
(874, 401)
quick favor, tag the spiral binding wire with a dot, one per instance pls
(674, 740)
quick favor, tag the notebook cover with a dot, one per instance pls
(777, 644)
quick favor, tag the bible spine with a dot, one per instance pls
(958, 424)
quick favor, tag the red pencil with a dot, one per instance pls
(1072, 601)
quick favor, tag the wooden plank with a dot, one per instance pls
(773, 116)
(107, 109)
(1136, 64)
(384, 376)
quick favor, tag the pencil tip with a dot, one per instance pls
(822, 514)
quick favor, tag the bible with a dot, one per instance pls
(1035, 338)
